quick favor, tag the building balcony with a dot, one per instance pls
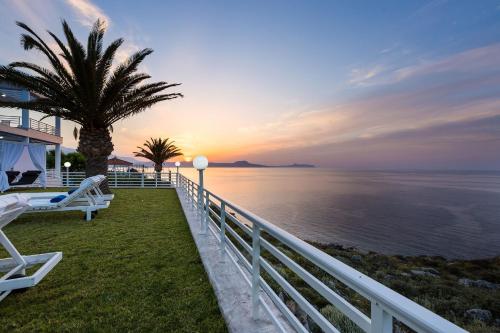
(12, 128)
(18, 128)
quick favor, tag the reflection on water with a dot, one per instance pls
(452, 214)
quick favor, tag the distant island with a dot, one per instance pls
(236, 164)
(246, 164)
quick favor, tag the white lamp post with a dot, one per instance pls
(67, 165)
(177, 165)
(200, 163)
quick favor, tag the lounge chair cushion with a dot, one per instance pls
(58, 198)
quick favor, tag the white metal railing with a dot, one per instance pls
(11, 121)
(37, 125)
(118, 179)
(40, 126)
(245, 241)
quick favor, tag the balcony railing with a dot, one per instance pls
(42, 127)
(11, 121)
(266, 254)
(15, 121)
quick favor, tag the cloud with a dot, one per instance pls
(467, 144)
(362, 76)
(469, 61)
(481, 59)
(87, 12)
(386, 118)
(126, 50)
(31, 12)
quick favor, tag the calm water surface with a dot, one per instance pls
(452, 214)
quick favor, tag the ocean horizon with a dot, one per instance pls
(453, 214)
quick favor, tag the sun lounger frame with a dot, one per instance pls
(90, 200)
(18, 263)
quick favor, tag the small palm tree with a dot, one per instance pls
(81, 85)
(158, 151)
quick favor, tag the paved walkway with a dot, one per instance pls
(233, 293)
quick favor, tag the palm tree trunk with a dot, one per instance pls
(158, 169)
(95, 144)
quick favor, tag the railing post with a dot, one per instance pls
(223, 226)
(142, 179)
(193, 203)
(255, 269)
(206, 211)
(381, 320)
(190, 195)
(116, 180)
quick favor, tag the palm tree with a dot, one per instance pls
(81, 85)
(158, 151)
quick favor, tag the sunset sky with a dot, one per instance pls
(345, 84)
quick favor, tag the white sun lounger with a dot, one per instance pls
(14, 268)
(88, 198)
(49, 195)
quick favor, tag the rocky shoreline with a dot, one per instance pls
(466, 292)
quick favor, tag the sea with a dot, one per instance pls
(455, 215)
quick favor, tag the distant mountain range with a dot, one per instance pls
(246, 164)
(237, 164)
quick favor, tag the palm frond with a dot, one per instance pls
(158, 150)
(80, 84)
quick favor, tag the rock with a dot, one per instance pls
(478, 314)
(389, 277)
(281, 296)
(331, 284)
(497, 322)
(405, 274)
(430, 270)
(292, 306)
(418, 272)
(478, 283)
(486, 284)
(356, 258)
(466, 282)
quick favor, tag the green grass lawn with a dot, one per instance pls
(133, 268)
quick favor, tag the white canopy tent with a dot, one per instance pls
(10, 154)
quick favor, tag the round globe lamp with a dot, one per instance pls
(200, 163)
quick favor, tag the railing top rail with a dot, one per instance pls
(411, 313)
(12, 121)
(42, 126)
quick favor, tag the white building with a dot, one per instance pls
(24, 139)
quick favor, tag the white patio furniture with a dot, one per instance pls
(14, 268)
(88, 198)
(97, 193)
